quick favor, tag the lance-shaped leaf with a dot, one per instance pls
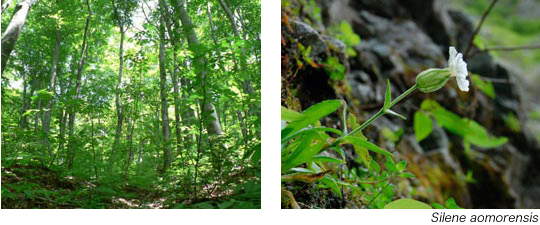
(312, 114)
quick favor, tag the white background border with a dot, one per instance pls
(271, 194)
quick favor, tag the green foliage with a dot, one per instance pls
(450, 204)
(512, 122)
(345, 33)
(304, 140)
(312, 115)
(423, 125)
(406, 203)
(334, 68)
(120, 168)
(470, 130)
(484, 86)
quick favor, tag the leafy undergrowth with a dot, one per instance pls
(34, 186)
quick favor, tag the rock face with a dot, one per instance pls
(399, 40)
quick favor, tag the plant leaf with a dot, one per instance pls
(387, 97)
(322, 158)
(407, 203)
(388, 111)
(290, 115)
(312, 114)
(423, 125)
(356, 141)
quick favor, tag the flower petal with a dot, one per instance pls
(451, 56)
(463, 83)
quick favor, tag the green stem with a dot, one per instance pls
(383, 111)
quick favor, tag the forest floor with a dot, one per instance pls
(33, 186)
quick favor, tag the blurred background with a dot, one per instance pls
(511, 24)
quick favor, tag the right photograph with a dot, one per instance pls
(410, 104)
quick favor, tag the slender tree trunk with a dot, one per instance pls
(167, 153)
(175, 42)
(72, 114)
(93, 146)
(5, 5)
(247, 84)
(47, 117)
(24, 99)
(99, 143)
(119, 107)
(188, 116)
(213, 126)
(12, 32)
(212, 28)
(243, 126)
(134, 117)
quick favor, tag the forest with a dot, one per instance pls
(410, 104)
(131, 104)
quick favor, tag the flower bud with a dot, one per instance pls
(432, 79)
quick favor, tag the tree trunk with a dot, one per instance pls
(174, 76)
(119, 107)
(135, 115)
(167, 153)
(72, 114)
(213, 126)
(212, 28)
(93, 147)
(24, 98)
(247, 84)
(47, 117)
(11, 35)
(188, 117)
(5, 5)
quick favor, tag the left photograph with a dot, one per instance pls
(131, 104)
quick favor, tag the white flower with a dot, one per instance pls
(458, 69)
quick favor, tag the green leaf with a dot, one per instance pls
(512, 122)
(406, 175)
(226, 204)
(390, 166)
(334, 68)
(422, 125)
(336, 131)
(309, 145)
(321, 158)
(429, 105)
(478, 135)
(388, 111)
(450, 121)
(451, 204)
(401, 166)
(390, 135)
(44, 95)
(256, 157)
(332, 184)
(484, 86)
(356, 141)
(290, 115)
(437, 206)
(387, 97)
(312, 114)
(407, 203)
(203, 205)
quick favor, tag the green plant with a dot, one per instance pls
(345, 33)
(304, 140)
(471, 131)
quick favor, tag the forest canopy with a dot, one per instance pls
(131, 104)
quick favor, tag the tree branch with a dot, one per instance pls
(478, 28)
